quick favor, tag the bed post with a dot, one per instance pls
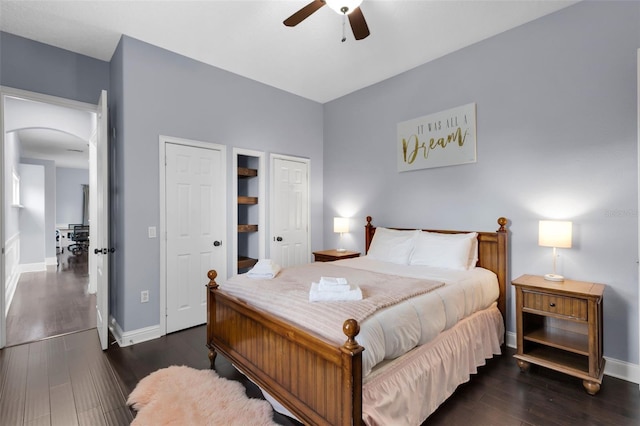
(369, 230)
(352, 360)
(212, 286)
(502, 265)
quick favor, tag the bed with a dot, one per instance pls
(321, 382)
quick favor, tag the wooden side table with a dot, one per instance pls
(559, 326)
(331, 255)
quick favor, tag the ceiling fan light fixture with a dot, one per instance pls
(340, 5)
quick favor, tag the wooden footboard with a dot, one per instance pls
(321, 384)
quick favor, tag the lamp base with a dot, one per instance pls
(553, 277)
(341, 250)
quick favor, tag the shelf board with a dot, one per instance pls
(244, 172)
(562, 361)
(247, 228)
(247, 200)
(561, 339)
(246, 262)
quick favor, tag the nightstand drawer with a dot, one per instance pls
(570, 307)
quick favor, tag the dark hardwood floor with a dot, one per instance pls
(52, 303)
(68, 380)
(64, 381)
(498, 395)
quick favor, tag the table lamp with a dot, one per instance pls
(340, 225)
(556, 234)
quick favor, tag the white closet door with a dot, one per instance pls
(195, 231)
(290, 212)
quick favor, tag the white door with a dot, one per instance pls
(100, 230)
(195, 230)
(290, 212)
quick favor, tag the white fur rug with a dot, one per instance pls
(180, 395)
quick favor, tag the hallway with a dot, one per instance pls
(52, 303)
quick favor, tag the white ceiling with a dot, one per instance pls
(64, 149)
(249, 39)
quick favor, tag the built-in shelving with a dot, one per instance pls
(249, 210)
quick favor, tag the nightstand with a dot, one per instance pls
(331, 255)
(559, 326)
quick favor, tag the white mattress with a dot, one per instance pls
(397, 329)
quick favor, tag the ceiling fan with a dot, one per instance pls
(350, 8)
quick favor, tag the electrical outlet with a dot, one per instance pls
(144, 296)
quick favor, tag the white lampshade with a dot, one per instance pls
(554, 233)
(340, 224)
(337, 5)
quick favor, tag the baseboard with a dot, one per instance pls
(32, 267)
(11, 270)
(128, 338)
(51, 261)
(11, 287)
(613, 367)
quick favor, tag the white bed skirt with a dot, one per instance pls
(407, 390)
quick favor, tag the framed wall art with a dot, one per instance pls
(441, 139)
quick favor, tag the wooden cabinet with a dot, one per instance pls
(331, 255)
(249, 242)
(559, 326)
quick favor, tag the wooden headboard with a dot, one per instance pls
(492, 253)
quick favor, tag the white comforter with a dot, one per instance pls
(397, 329)
(392, 331)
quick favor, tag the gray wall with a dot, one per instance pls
(556, 128)
(69, 196)
(556, 132)
(29, 65)
(161, 93)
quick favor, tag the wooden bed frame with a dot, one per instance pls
(317, 381)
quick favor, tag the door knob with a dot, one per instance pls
(217, 243)
(278, 238)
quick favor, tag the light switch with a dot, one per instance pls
(152, 232)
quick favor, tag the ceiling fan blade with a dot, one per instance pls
(303, 13)
(358, 24)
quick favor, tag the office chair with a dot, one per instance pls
(80, 236)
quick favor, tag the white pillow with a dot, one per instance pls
(451, 251)
(392, 245)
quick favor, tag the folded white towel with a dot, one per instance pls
(264, 273)
(333, 284)
(317, 295)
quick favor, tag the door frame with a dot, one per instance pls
(6, 91)
(162, 231)
(272, 168)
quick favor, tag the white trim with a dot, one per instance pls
(132, 337)
(511, 340)
(51, 261)
(306, 161)
(32, 96)
(262, 198)
(32, 267)
(613, 367)
(49, 99)
(638, 164)
(162, 231)
(12, 262)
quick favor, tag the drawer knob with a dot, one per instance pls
(553, 305)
